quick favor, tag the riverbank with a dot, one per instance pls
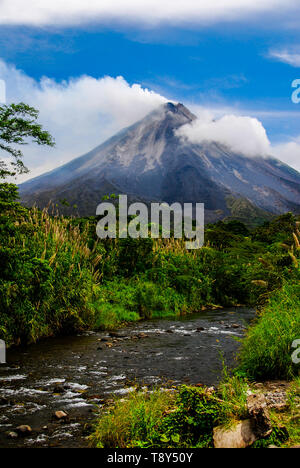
(237, 414)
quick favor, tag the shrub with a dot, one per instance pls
(197, 413)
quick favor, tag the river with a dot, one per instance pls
(79, 374)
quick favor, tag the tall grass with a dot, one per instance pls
(133, 422)
(48, 278)
(267, 350)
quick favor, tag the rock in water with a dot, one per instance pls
(24, 430)
(60, 415)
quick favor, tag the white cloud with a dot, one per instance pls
(149, 12)
(80, 113)
(289, 153)
(285, 56)
(244, 135)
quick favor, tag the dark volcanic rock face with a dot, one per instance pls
(147, 161)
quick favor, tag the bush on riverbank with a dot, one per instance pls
(167, 280)
(161, 418)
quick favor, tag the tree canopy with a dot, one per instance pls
(18, 124)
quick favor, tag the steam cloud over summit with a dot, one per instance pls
(243, 135)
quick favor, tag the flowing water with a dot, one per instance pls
(79, 374)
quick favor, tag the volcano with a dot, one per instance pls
(149, 162)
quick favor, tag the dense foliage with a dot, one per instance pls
(57, 277)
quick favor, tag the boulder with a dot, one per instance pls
(259, 413)
(60, 415)
(239, 436)
(12, 435)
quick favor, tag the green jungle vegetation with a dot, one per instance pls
(57, 277)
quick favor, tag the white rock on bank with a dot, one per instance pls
(239, 436)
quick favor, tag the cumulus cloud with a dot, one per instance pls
(286, 56)
(244, 135)
(80, 113)
(149, 12)
(289, 153)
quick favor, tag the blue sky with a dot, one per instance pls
(245, 64)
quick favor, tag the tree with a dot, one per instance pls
(18, 123)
